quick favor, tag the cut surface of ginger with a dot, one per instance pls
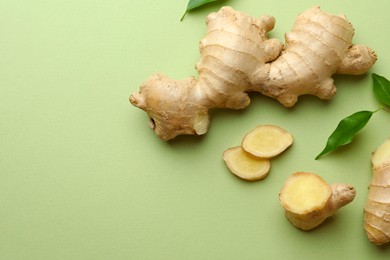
(382, 154)
(305, 192)
(267, 141)
(244, 165)
(308, 200)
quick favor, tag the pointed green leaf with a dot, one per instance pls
(192, 4)
(381, 89)
(346, 130)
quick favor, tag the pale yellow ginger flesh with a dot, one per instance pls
(377, 209)
(308, 200)
(245, 165)
(236, 57)
(267, 141)
(251, 160)
(295, 195)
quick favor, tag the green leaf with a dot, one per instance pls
(346, 130)
(381, 89)
(192, 4)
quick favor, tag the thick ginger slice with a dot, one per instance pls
(308, 200)
(236, 57)
(377, 208)
(245, 165)
(267, 141)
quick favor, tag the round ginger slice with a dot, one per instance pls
(267, 141)
(244, 165)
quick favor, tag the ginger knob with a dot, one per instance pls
(308, 200)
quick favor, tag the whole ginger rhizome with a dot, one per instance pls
(236, 57)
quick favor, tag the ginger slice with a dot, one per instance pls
(308, 200)
(267, 141)
(244, 165)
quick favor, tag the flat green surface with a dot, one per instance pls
(83, 177)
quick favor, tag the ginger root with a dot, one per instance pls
(252, 160)
(377, 208)
(308, 200)
(236, 57)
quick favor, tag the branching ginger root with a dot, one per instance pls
(236, 57)
(377, 209)
(308, 200)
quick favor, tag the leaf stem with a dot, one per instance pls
(181, 19)
(387, 109)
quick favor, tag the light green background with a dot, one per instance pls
(83, 177)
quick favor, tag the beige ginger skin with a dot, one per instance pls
(377, 209)
(308, 200)
(236, 57)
